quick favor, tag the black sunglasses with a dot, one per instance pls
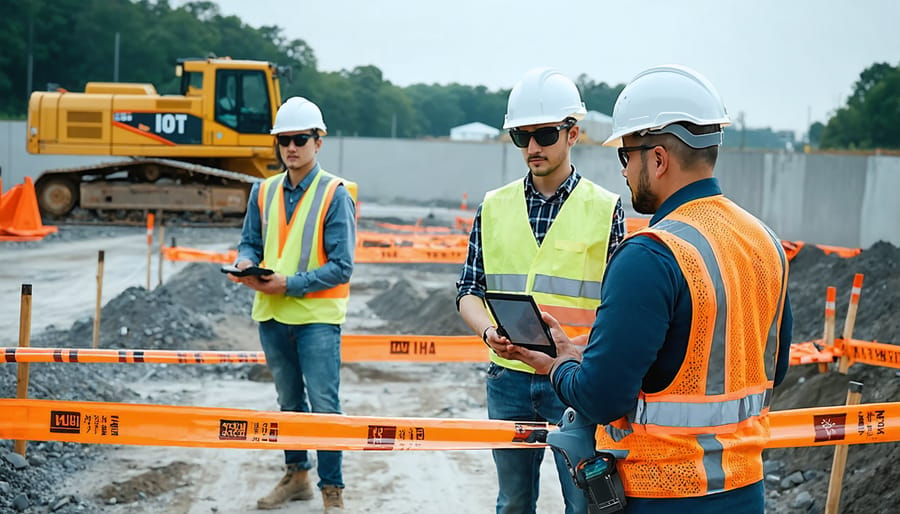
(298, 139)
(623, 152)
(545, 136)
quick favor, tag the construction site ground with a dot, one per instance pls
(197, 308)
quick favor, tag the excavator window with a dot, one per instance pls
(242, 101)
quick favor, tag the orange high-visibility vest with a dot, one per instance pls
(705, 432)
(296, 246)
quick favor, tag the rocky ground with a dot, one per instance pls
(197, 309)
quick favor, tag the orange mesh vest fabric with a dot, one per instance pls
(705, 432)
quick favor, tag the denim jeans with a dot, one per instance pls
(305, 361)
(518, 396)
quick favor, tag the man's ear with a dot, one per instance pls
(574, 132)
(660, 161)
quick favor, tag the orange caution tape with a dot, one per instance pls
(414, 228)
(417, 348)
(811, 352)
(162, 425)
(871, 352)
(410, 254)
(792, 248)
(863, 352)
(93, 356)
(354, 348)
(840, 251)
(175, 253)
(843, 424)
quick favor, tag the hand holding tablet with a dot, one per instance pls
(519, 320)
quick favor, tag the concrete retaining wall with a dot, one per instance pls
(823, 199)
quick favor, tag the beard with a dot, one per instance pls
(643, 199)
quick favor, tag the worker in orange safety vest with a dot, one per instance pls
(694, 327)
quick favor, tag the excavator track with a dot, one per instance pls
(123, 192)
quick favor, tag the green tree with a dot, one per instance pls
(815, 133)
(871, 118)
(598, 96)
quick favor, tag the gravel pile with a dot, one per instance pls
(188, 306)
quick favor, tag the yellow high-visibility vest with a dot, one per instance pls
(563, 274)
(298, 245)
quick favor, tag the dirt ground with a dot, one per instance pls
(197, 308)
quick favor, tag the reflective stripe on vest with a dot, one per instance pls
(298, 246)
(705, 432)
(564, 273)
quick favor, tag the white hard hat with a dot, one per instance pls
(544, 95)
(298, 113)
(663, 95)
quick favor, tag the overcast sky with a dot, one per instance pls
(783, 63)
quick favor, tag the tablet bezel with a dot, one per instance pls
(525, 299)
(252, 271)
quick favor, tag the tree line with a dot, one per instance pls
(67, 43)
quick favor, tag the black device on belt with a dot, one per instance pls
(600, 480)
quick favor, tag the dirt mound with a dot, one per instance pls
(800, 476)
(411, 309)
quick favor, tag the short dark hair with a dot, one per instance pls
(688, 157)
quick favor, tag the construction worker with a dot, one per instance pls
(548, 234)
(301, 224)
(694, 328)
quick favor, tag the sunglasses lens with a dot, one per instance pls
(298, 139)
(520, 138)
(623, 157)
(546, 136)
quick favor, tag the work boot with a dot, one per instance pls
(293, 486)
(332, 498)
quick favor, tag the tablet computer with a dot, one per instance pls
(519, 320)
(252, 271)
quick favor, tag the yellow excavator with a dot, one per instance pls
(197, 152)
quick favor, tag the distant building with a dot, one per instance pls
(475, 131)
(596, 127)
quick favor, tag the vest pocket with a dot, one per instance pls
(570, 246)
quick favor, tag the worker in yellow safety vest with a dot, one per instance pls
(300, 224)
(548, 235)
(694, 328)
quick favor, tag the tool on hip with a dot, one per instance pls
(594, 472)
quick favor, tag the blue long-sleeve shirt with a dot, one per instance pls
(339, 236)
(639, 340)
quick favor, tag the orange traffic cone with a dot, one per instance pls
(9, 201)
(20, 218)
(465, 202)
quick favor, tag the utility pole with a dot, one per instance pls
(116, 59)
(29, 74)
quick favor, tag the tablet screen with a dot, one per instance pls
(520, 318)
